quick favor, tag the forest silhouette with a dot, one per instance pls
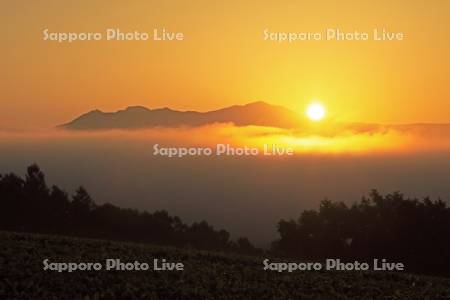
(411, 231)
(414, 232)
(29, 205)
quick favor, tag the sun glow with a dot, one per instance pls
(315, 111)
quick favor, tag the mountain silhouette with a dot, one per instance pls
(136, 117)
(255, 113)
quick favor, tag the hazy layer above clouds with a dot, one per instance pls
(245, 195)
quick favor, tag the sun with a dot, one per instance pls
(315, 111)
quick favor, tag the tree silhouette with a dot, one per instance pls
(29, 205)
(390, 226)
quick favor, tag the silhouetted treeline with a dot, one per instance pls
(416, 233)
(30, 205)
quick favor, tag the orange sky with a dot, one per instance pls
(224, 59)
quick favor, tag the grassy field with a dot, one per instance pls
(206, 275)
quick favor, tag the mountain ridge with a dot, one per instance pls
(138, 117)
(257, 113)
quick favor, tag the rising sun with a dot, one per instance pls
(315, 111)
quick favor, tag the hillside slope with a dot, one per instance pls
(206, 275)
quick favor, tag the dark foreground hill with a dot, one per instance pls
(206, 275)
